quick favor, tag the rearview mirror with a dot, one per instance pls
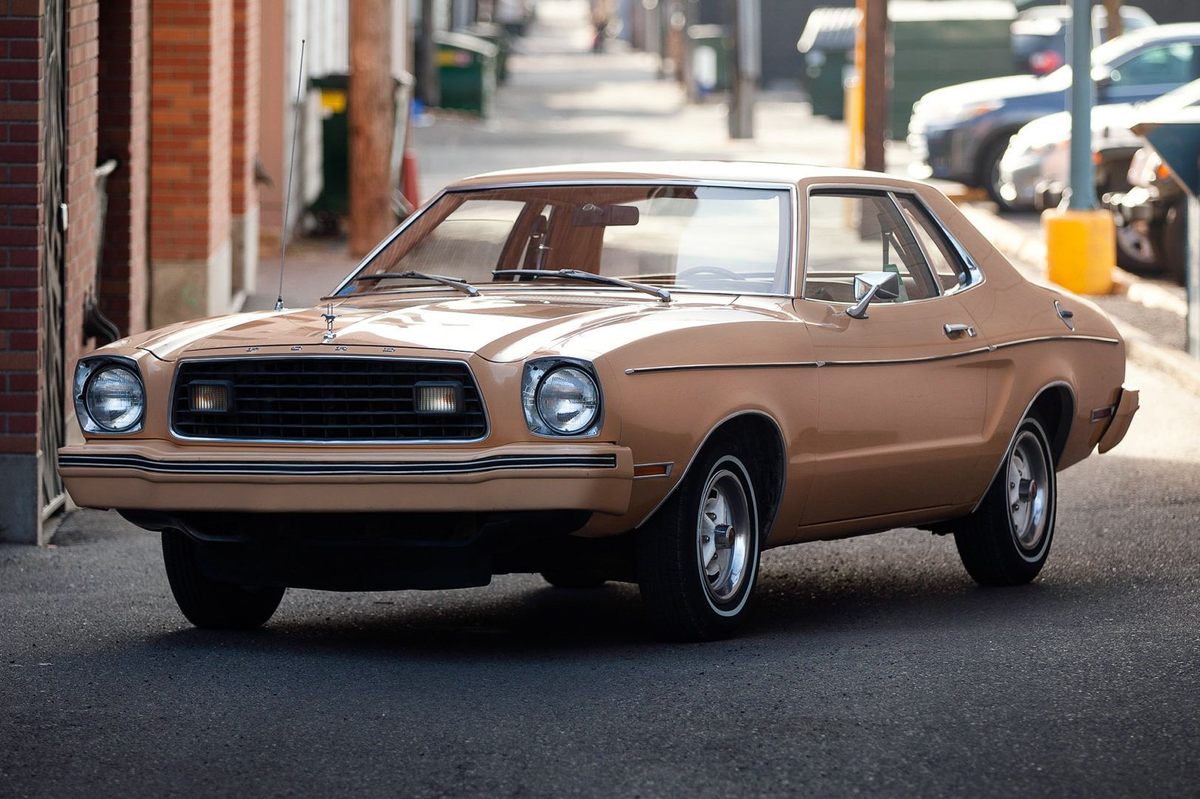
(592, 215)
(871, 286)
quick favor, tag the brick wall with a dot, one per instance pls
(82, 52)
(189, 128)
(124, 84)
(247, 16)
(190, 143)
(247, 53)
(20, 222)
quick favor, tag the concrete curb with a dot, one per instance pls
(1142, 350)
(1141, 347)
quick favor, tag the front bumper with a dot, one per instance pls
(1019, 179)
(160, 475)
(942, 152)
(1135, 205)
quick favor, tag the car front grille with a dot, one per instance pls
(310, 398)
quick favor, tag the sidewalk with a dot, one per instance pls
(564, 104)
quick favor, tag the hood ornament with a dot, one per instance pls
(329, 316)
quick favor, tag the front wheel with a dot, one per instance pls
(206, 602)
(697, 559)
(1007, 539)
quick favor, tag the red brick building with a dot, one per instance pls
(132, 133)
(128, 135)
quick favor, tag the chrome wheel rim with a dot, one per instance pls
(1135, 245)
(724, 536)
(1028, 491)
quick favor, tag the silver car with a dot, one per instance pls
(1034, 169)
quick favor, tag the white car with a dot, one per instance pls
(1035, 168)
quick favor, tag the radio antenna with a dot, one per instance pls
(287, 200)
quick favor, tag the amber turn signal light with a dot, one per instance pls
(210, 396)
(438, 397)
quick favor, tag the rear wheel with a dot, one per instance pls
(697, 559)
(208, 603)
(1007, 539)
(1174, 239)
(1137, 251)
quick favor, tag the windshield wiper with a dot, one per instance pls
(461, 285)
(588, 277)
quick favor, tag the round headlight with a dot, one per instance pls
(115, 399)
(568, 400)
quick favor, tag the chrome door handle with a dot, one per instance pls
(954, 330)
(1064, 314)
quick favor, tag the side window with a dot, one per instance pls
(951, 272)
(1170, 64)
(852, 233)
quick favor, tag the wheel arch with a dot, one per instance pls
(763, 430)
(1054, 404)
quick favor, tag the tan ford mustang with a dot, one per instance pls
(639, 372)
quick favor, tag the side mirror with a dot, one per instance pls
(870, 286)
(1103, 77)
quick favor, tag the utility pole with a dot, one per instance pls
(371, 121)
(1081, 239)
(1082, 178)
(873, 31)
(1115, 25)
(747, 68)
(428, 88)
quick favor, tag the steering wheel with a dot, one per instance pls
(717, 271)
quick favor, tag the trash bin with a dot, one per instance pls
(710, 48)
(333, 202)
(939, 44)
(467, 72)
(827, 44)
(497, 35)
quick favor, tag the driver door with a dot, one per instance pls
(902, 398)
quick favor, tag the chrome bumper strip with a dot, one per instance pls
(494, 463)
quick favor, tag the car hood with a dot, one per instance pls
(948, 102)
(498, 328)
(1110, 123)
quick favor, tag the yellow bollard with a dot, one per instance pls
(1081, 249)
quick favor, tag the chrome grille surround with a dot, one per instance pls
(319, 399)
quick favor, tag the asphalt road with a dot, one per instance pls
(874, 666)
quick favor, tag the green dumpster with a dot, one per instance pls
(710, 48)
(334, 200)
(467, 72)
(828, 48)
(939, 44)
(497, 35)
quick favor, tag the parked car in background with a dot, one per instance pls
(1034, 169)
(961, 132)
(1151, 218)
(1039, 34)
(645, 372)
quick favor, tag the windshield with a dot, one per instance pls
(1102, 56)
(702, 238)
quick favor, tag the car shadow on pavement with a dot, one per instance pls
(531, 625)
